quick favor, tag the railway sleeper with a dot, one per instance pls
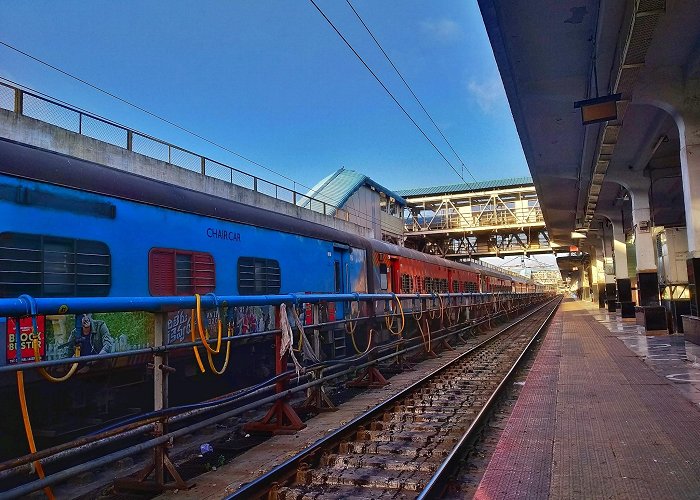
(436, 417)
(387, 462)
(452, 391)
(413, 427)
(406, 449)
(368, 478)
(418, 409)
(465, 385)
(313, 492)
(410, 437)
(441, 402)
(440, 405)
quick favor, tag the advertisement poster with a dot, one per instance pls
(26, 338)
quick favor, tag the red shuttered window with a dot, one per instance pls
(180, 272)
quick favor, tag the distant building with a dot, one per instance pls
(547, 277)
(356, 198)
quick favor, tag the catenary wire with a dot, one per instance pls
(386, 89)
(316, 196)
(362, 215)
(379, 45)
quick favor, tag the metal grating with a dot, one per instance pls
(217, 171)
(103, 131)
(642, 34)
(652, 5)
(611, 134)
(148, 147)
(607, 149)
(7, 98)
(185, 159)
(48, 112)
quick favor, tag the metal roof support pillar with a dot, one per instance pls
(597, 272)
(689, 134)
(622, 280)
(647, 277)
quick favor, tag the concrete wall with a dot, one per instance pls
(391, 225)
(46, 136)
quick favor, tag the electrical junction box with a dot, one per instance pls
(672, 247)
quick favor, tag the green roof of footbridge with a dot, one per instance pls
(466, 187)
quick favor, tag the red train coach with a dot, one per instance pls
(402, 270)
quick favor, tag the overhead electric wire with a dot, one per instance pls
(144, 110)
(379, 45)
(316, 196)
(386, 89)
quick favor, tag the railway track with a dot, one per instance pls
(409, 446)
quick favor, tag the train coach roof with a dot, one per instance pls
(20, 160)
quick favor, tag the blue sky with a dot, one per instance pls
(271, 80)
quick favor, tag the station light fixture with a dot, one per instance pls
(598, 109)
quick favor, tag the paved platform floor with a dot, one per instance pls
(606, 412)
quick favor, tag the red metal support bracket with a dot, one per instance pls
(281, 418)
(370, 377)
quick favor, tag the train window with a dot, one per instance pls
(383, 279)
(455, 286)
(428, 284)
(259, 276)
(46, 266)
(406, 283)
(336, 275)
(180, 272)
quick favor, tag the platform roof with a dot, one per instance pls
(546, 51)
(466, 187)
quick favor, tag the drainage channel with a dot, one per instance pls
(408, 446)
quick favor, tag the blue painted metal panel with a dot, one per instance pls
(306, 263)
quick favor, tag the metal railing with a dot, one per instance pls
(53, 112)
(474, 221)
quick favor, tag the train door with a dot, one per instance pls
(341, 274)
(395, 275)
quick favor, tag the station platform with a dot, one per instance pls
(606, 412)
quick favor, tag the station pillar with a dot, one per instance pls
(597, 272)
(622, 276)
(609, 269)
(647, 275)
(689, 134)
(623, 283)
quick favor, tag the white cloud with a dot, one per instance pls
(442, 30)
(487, 93)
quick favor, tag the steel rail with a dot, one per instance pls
(436, 484)
(258, 486)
